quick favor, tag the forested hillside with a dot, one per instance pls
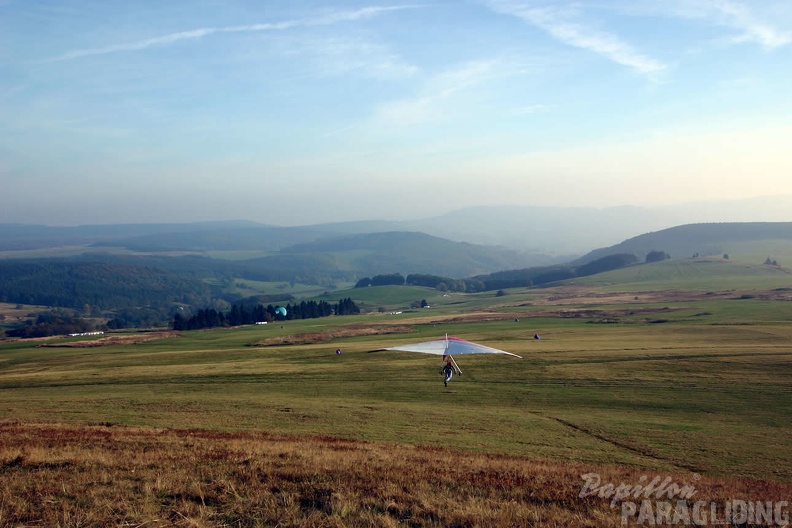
(140, 289)
(546, 274)
(92, 286)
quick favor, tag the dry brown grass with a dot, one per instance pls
(13, 311)
(113, 340)
(354, 330)
(62, 475)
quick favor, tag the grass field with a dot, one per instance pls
(682, 382)
(60, 475)
(14, 314)
(698, 273)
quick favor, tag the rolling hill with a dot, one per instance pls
(157, 281)
(702, 273)
(706, 240)
(208, 263)
(412, 253)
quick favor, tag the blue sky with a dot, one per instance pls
(304, 112)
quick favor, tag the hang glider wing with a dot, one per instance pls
(448, 347)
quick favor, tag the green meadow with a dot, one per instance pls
(697, 384)
(737, 272)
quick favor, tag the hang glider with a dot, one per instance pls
(448, 346)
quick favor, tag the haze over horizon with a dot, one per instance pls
(306, 112)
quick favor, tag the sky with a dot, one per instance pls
(301, 112)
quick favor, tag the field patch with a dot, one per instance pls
(111, 340)
(356, 330)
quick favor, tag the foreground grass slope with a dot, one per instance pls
(223, 427)
(605, 384)
(100, 476)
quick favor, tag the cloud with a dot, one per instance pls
(530, 109)
(339, 56)
(741, 16)
(433, 101)
(196, 34)
(738, 16)
(561, 25)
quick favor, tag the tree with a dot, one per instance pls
(473, 286)
(346, 307)
(393, 279)
(421, 279)
(234, 317)
(657, 256)
(178, 322)
(607, 263)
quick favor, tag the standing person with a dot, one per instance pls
(448, 370)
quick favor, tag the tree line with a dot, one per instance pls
(242, 315)
(503, 279)
(423, 279)
(547, 274)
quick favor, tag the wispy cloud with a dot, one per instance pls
(739, 16)
(530, 109)
(434, 101)
(339, 56)
(755, 22)
(562, 24)
(200, 33)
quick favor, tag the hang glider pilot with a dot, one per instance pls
(448, 370)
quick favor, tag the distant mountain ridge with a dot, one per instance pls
(294, 254)
(549, 233)
(15, 237)
(572, 231)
